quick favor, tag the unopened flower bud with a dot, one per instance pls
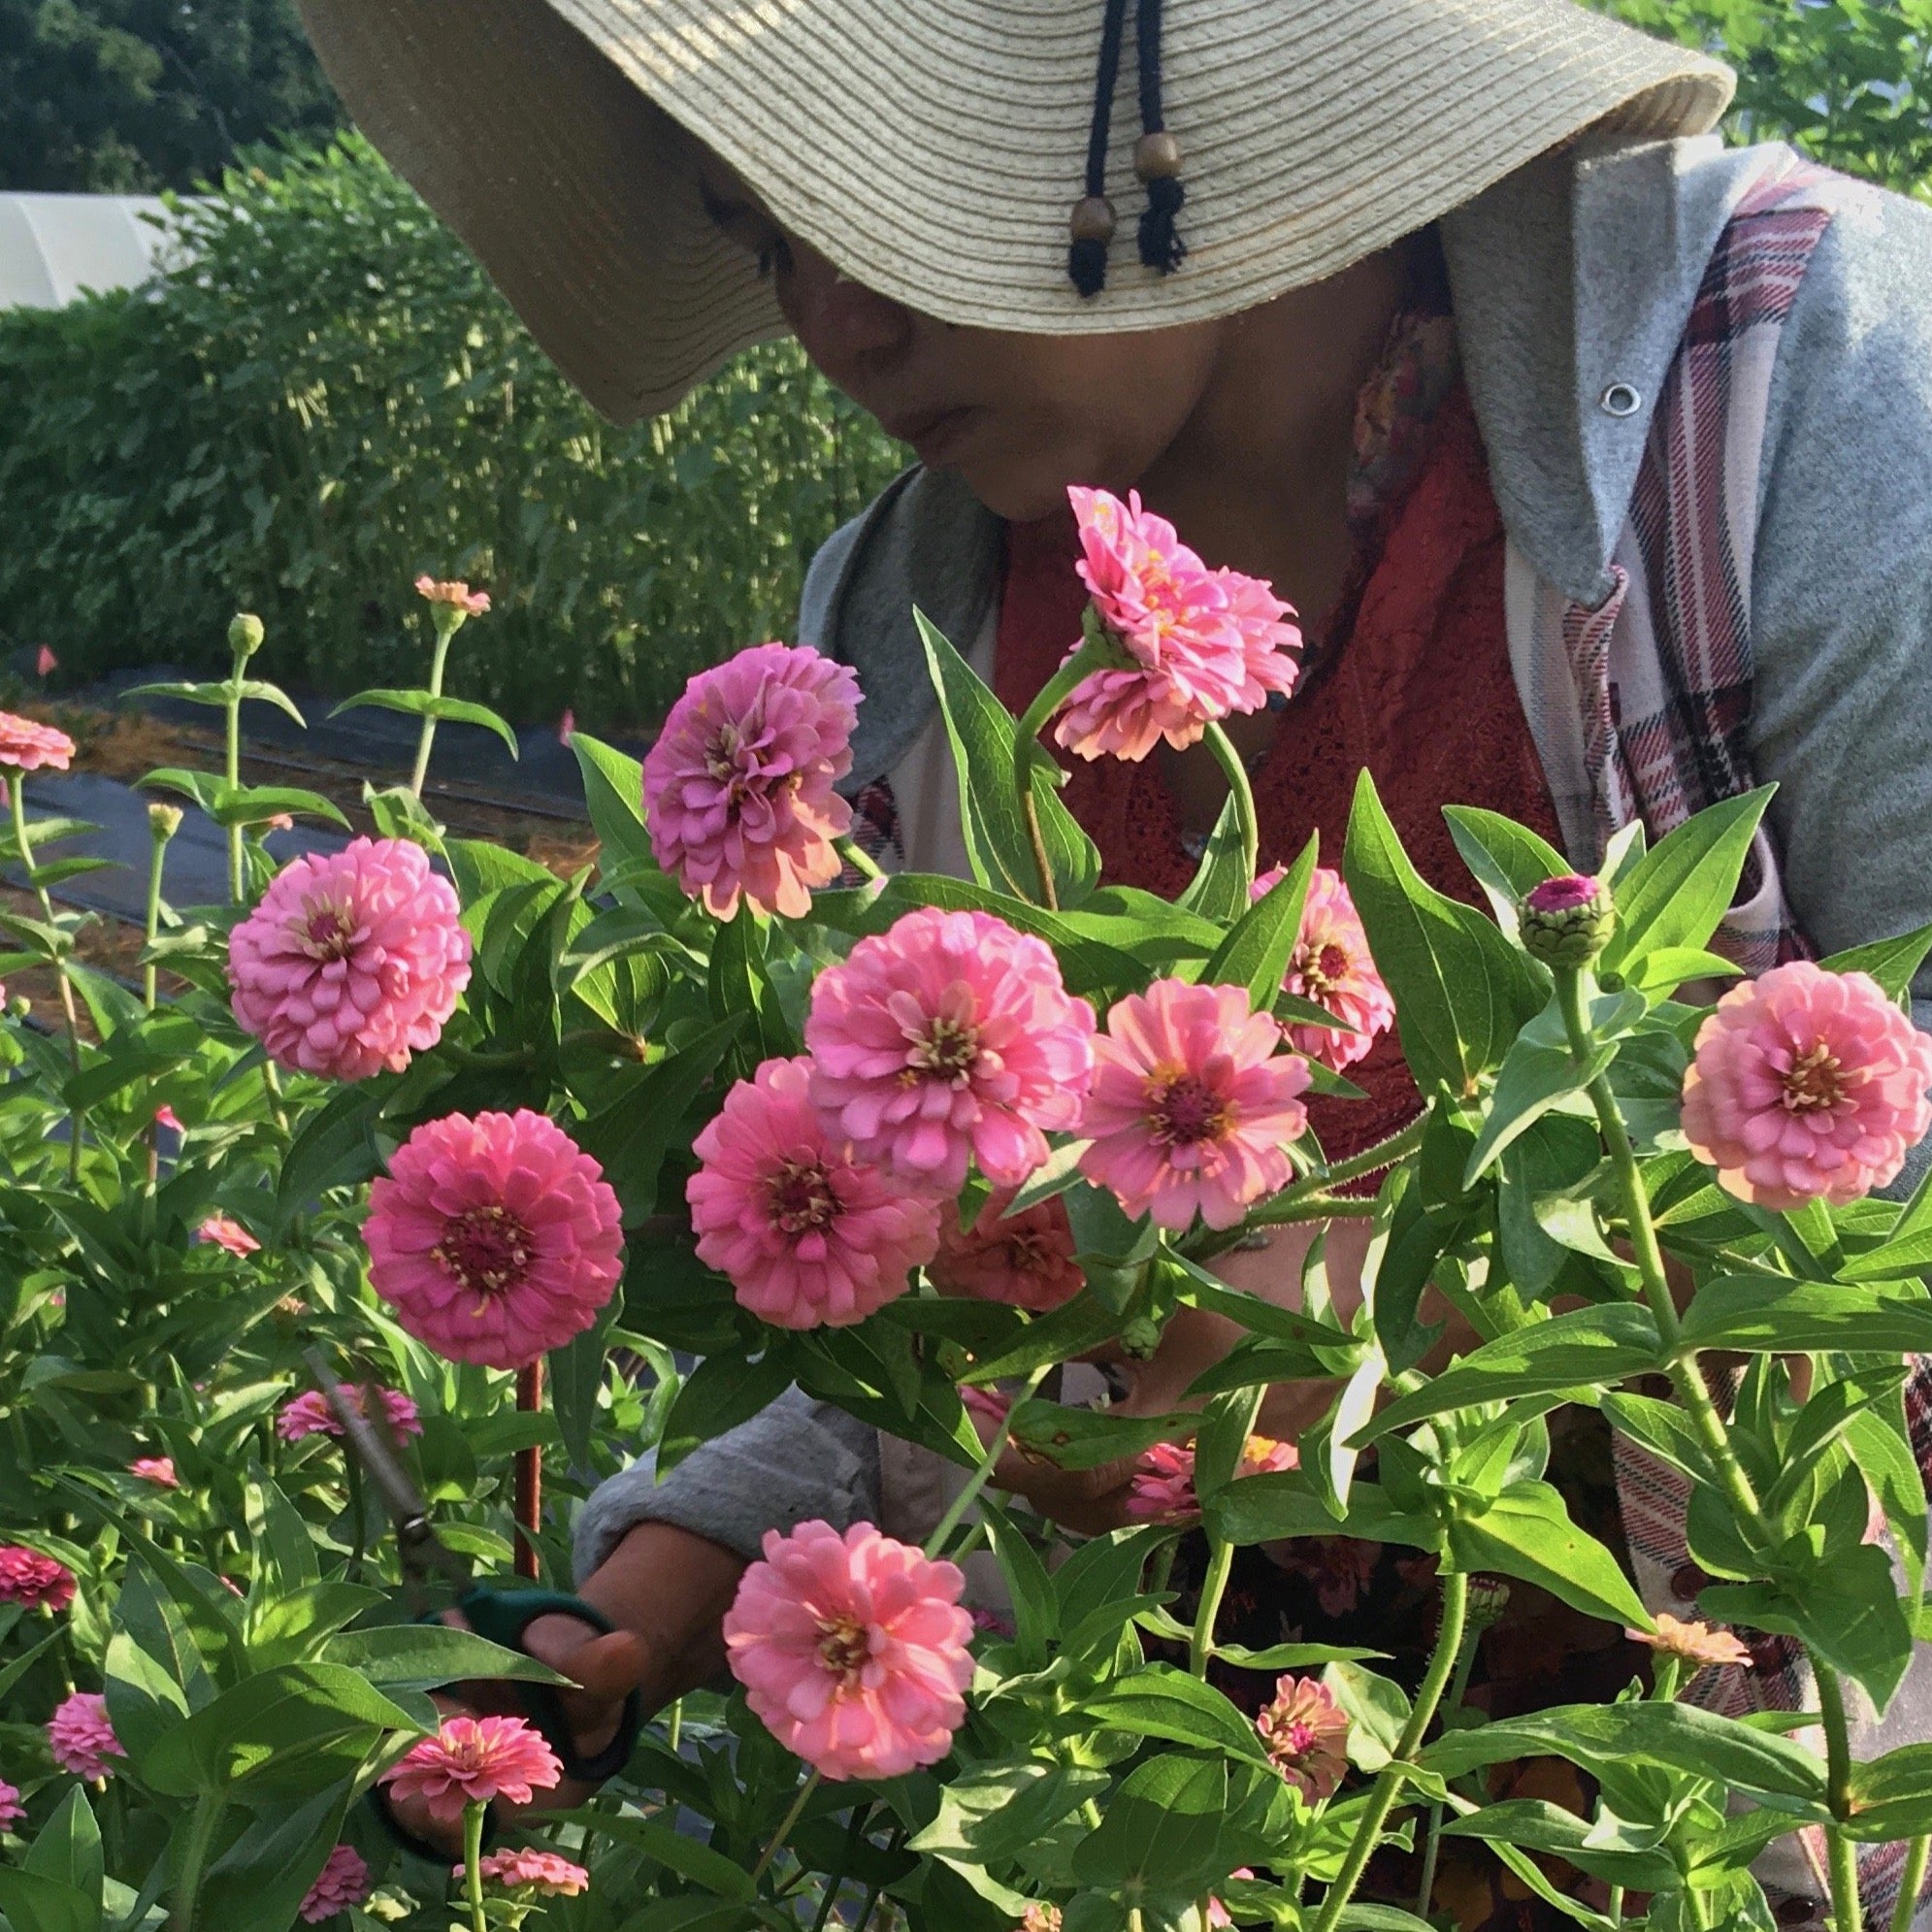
(246, 634)
(164, 821)
(1568, 920)
(1489, 1598)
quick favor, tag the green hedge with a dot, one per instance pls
(328, 399)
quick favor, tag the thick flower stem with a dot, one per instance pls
(860, 859)
(149, 973)
(232, 737)
(445, 630)
(17, 800)
(1911, 1883)
(1388, 1784)
(1842, 1853)
(1685, 1374)
(195, 1847)
(935, 1544)
(1236, 773)
(1219, 1560)
(473, 1864)
(1458, 1685)
(785, 1825)
(529, 1475)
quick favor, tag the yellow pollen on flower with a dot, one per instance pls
(327, 930)
(948, 1049)
(1182, 1108)
(801, 1198)
(489, 1250)
(844, 1646)
(1816, 1081)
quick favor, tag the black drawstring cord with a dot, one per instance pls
(1156, 158)
(1092, 222)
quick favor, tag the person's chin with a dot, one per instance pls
(1016, 489)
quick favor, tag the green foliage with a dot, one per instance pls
(330, 399)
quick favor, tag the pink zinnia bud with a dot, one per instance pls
(806, 1235)
(1217, 1914)
(739, 786)
(1305, 1733)
(353, 961)
(342, 1882)
(852, 1650)
(1195, 645)
(950, 1036)
(222, 1231)
(455, 593)
(495, 1239)
(1042, 1916)
(1189, 1109)
(12, 1810)
(1025, 1258)
(1163, 1486)
(546, 1872)
(33, 1581)
(473, 1760)
(79, 1736)
(988, 1404)
(1568, 920)
(1331, 968)
(156, 1469)
(309, 1413)
(45, 664)
(28, 746)
(1807, 1085)
(566, 725)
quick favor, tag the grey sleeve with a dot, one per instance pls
(1842, 601)
(798, 1460)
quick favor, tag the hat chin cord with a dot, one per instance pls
(1156, 158)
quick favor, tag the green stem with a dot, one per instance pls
(1458, 1685)
(1236, 773)
(202, 1823)
(473, 1864)
(443, 634)
(1614, 1911)
(976, 1482)
(149, 973)
(1843, 1852)
(1219, 1560)
(855, 1832)
(17, 800)
(674, 1726)
(1685, 1374)
(1046, 702)
(1382, 1798)
(232, 710)
(858, 858)
(784, 1830)
(1911, 1883)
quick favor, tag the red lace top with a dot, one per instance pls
(1412, 681)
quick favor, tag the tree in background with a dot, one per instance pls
(132, 96)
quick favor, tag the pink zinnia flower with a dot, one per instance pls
(495, 1239)
(1217, 1913)
(807, 1236)
(472, 1761)
(949, 1035)
(167, 1117)
(1025, 1258)
(1305, 1732)
(455, 593)
(739, 786)
(224, 1231)
(1195, 644)
(549, 1873)
(156, 1469)
(988, 1404)
(1042, 1916)
(852, 1649)
(1807, 1085)
(1163, 1486)
(353, 961)
(29, 746)
(33, 1581)
(342, 1882)
(1693, 1643)
(1340, 1567)
(45, 664)
(1189, 1109)
(12, 1810)
(1330, 966)
(309, 1413)
(81, 1737)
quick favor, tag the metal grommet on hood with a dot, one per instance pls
(1619, 399)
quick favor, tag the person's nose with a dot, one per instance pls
(849, 331)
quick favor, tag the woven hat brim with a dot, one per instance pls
(932, 148)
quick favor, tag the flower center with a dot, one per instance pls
(800, 1197)
(487, 1250)
(1183, 1108)
(1323, 968)
(1295, 1739)
(947, 1050)
(328, 930)
(1814, 1082)
(842, 1646)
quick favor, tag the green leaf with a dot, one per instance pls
(1265, 1509)
(577, 1381)
(1461, 990)
(1377, 1708)
(1539, 1073)
(1254, 955)
(1535, 1825)
(1586, 1349)
(1663, 1429)
(1163, 1702)
(262, 692)
(982, 735)
(720, 1393)
(1893, 963)
(33, 1903)
(689, 1858)
(1680, 890)
(427, 1656)
(740, 983)
(1219, 888)
(1892, 1796)
(614, 789)
(262, 1879)
(256, 805)
(624, 933)
(67, 1848)
(992, 1813)
(335, 1147)
(1528, 1532)
(1161, 1828)
(145, 1703)
(1772, 1314)
(1086, 1438)
(1881, 1445)
(421, 705)
(1508, 859)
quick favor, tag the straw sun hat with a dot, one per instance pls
(934, 148)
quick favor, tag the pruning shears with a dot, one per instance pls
(499, 1615)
